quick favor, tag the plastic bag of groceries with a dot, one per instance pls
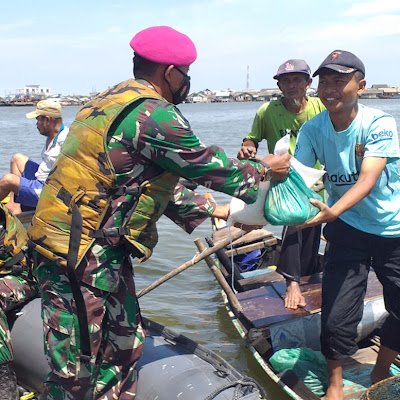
(249, 214)
(309, 365)
(288, 201)
(256, 213)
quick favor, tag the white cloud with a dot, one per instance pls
(372, 8)
(15, 26)
(376, 26)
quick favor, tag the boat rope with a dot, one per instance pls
(194, 257)
(239, 385)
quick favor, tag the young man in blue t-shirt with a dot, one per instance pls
(359, 148)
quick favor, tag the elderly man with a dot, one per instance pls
(115, 177)
(299, 252)
(26, 178)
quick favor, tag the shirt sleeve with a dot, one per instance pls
(189, 209)
(167, 139)
(382, 139)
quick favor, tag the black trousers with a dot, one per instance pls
(299, 252)
(349, 255)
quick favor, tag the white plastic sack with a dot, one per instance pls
(253, 214)
(310, 175)
(249, 214)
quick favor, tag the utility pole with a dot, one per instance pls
(247, 80)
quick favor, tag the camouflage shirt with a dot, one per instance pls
(146, 139)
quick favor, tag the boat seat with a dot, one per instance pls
(310, 287)
(264, 306)
(312, 284)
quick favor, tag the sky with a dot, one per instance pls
(76, 47)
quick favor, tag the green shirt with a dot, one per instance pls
(273, 121)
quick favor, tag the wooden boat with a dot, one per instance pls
(253, 294)
(172, 366)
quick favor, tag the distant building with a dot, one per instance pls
(223, 96)
(381, 91)
(34, 91)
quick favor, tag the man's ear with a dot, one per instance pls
(167, 72)
(361, 86)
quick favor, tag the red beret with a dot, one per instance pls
(164, 45)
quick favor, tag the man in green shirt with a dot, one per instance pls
(274, 120)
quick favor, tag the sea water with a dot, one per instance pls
(190, 302)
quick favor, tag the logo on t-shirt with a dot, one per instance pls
(359, 150)
(383, 135)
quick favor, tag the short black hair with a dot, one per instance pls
(359, 76)
(143, 67)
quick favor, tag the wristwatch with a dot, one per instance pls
(267, 169)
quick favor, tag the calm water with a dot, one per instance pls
(190, 302)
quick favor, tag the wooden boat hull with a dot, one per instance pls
(256, 309)
(172, 365)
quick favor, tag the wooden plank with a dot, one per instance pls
(258, 281)
(263, 307)
(308, 284)
(290, 379)
(251, 247)
(252, 236)
(310, 287)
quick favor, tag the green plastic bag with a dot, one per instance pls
(309, 365)
(288, 201)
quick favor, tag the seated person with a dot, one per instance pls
(26, 178)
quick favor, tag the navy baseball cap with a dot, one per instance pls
(343, 62)
(293, 66)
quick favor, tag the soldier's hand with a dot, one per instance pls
(280, 165)
(222, 211)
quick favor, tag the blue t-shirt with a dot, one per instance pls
(373, 133)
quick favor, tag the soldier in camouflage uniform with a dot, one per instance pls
(118, 172)
(16, 288)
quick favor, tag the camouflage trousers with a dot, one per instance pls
(115, 331)
(15, 290)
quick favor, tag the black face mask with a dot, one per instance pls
(182, 92)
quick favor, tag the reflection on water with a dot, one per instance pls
(190, 302)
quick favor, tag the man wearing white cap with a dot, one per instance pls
(26, 178)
